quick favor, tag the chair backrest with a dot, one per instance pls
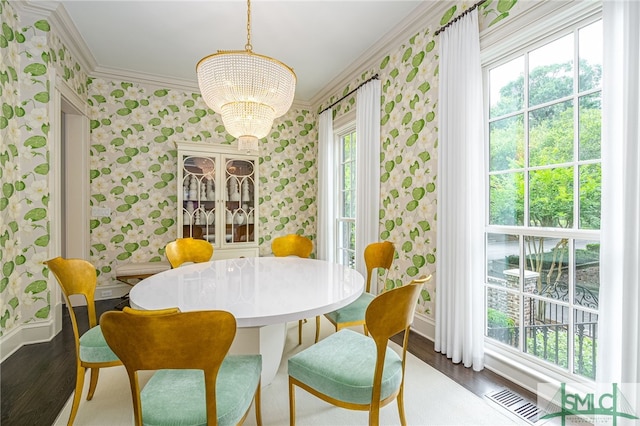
(388, 314)
(292, 245)
(377, 255)
(185, 250)
(76, 277)
(168, 339)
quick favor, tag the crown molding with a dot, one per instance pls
(113, 74)
(41, 9)
(163, 81)
(62, 26)
(427, 13)
(300, 104)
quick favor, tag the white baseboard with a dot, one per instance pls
(512, 371)
(424, 326)
(112, 291)
(44, 331)
(104, 292)
(521, 373)
(26, 334)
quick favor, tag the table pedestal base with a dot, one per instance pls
(267, 341)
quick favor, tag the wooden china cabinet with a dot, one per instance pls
(218, 198)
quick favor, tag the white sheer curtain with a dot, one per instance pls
(367, 169)
(460, 224)
(325, 233)
(619, 321)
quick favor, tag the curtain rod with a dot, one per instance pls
(459, 16)
(375, 77)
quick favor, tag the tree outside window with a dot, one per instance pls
(544, 179)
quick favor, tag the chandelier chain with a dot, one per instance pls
(248, 46)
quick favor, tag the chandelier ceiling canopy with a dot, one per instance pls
(248, 90)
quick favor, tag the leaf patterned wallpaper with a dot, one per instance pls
(133, 160)
(29, 54)
(134, 168)
(409, 77)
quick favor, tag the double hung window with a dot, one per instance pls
(543, 187)
(345, 193)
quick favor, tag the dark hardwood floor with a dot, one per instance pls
(478, 382)
(38, 379)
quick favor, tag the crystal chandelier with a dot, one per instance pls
(247, 89)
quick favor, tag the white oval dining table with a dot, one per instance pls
(263, 293)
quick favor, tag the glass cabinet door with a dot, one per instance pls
(239, 176)
(199, 197)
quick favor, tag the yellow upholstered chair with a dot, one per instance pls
(188, 250)
(78, 277)
(196, 382)
(376, 255)
(294, 245)
(357, 372)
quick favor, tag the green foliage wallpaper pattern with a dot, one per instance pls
(133, 165)
(133, 169)
(11, 286)
(409, 77)
(30, 53)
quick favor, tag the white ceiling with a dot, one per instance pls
(164, 39)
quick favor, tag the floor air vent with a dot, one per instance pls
(521, 407)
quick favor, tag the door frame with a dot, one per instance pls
(68, 186)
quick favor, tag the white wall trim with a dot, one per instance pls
(64, 99)
(525, 28)
(67, 92)
(26, 334)
(112, 291)
(425, 14)
(538, 21)
(115, 74)
(515, 367)
(55, 204)
(62, 25)
(524, 370)
(55, 209)
(61, 94)
(424, 326)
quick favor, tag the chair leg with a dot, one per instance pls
(374, 416)
(400, 402)
(77, 394)
(317, 328)
(93, 383)
(257, 405)
(300, 332)
(292, 404)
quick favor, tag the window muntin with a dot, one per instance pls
(542, 241)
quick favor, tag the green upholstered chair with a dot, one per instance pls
(376, 255)
(78, 277)
(294, 245)
(188, 250)
(196, 382)
(357, 372)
